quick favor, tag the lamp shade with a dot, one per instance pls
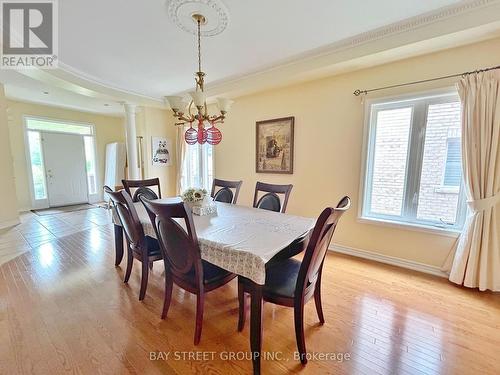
(224, 104)
(175, 102)
(198, 98)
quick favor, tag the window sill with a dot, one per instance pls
(447, 190)
(448, 232)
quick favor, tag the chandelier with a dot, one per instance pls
(205, 130)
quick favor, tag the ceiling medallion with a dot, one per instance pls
(200, 135)
(215, 12)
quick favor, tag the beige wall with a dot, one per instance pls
(108, 129)
(155, 122)
(328, 145)
(8, 212)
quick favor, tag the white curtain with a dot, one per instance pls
(181, 158)
(195, 164)
(475, 260)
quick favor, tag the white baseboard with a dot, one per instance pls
(9, 223)
(404, 263)
(95, 198)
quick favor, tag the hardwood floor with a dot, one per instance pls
(64, 309)
(35, 230)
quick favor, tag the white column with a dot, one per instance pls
(9, 212)
(131, 134)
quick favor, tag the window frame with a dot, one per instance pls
(408, 218)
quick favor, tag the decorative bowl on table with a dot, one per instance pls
(199, 202)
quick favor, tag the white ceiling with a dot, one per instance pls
(137, 48)
(126, 50)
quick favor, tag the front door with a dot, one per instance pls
(64, 156)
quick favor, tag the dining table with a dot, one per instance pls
(241, 240)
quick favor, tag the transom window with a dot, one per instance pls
(58, 126)
(414, 162)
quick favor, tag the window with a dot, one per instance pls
(58, 126)
(414, 164)
(453, 168)
(197, 169)
(37, 167)
(90, 164)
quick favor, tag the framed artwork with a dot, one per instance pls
(161, 151)
(274, 146)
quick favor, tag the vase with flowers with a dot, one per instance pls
(199, 202)
(194, 197)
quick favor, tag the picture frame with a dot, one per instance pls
(161, 151)
(274, 145)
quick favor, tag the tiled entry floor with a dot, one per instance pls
(35, 230)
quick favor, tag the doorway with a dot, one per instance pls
(62, 162)
(65, 169)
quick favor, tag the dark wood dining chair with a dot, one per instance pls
(182, 259)
(143, 248)
(118, 230)
(292, 282)
(222, 190)
(271, 200)
(142, 188)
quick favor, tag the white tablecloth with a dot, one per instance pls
(241, 239)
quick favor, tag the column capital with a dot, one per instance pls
(130, 108)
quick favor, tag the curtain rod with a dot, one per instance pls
(359, 92)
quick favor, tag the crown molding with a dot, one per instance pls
(410, 24)
(373, 37)
(456, 18)
(65, 71)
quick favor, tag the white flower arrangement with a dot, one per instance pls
(192, 195)
(199, 202)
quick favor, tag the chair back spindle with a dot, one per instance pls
(271, 200)
(225, 193)
(142, 188)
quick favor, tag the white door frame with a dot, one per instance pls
(46, 163)
(44, 203)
